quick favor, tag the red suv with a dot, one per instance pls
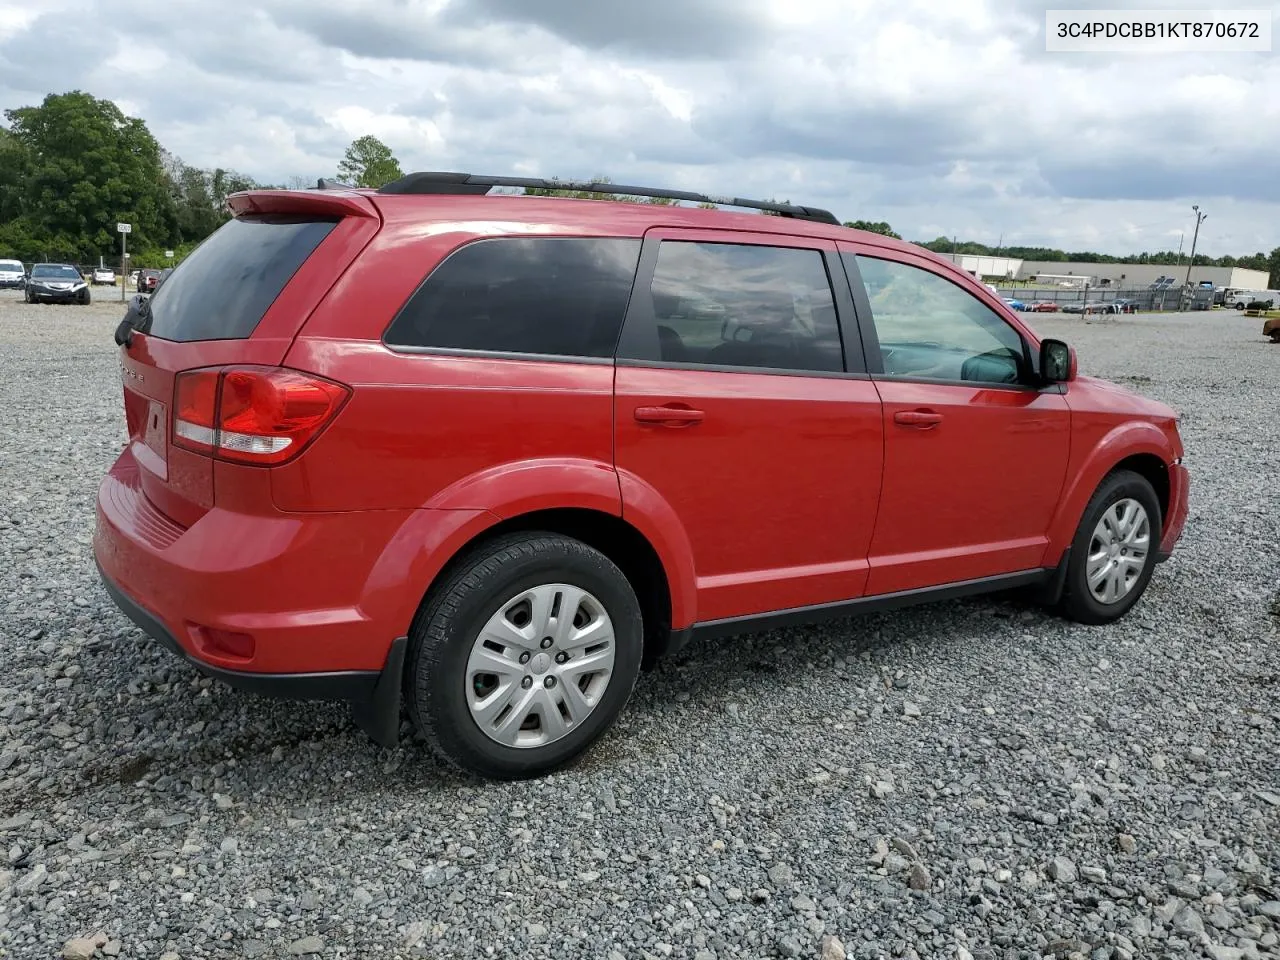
(488, 455)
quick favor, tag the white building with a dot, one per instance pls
(982, 267)
(1137, 275)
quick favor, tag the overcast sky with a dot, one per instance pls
(941, 117)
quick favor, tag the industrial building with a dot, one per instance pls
(1130, 275)
(1144, 274)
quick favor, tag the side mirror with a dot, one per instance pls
(1057, 362)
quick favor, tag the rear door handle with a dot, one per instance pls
(924, 419)
(670, 416)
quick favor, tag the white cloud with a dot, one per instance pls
(940, 118)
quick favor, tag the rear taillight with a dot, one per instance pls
(262, 415)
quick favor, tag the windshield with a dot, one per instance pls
(11, 266)
(55, 271)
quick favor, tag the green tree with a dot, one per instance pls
(88, 166)
(369, 163)
(573, 194)
(879, 227)
(1273, 266)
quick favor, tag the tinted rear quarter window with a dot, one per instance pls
(227, 284)
(559, 296)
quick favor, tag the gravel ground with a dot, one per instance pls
(970, 780)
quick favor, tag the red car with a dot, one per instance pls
(486, 456)
(1043, 306)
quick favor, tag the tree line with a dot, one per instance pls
(74, 166)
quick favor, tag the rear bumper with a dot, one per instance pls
(337, 685)
(308, 588)
(1179, 507)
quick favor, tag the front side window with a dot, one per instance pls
(930, 328)
(561, 296)
(739, 305)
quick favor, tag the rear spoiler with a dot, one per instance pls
(320, 203)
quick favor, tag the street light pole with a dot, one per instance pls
(1200, 218)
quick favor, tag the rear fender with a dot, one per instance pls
(1126, 440)
(646, 510)
(511, 489)
(459, 514)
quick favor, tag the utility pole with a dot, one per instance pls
(124, 230)
(1200, 218)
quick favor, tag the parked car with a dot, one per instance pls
(1044, 306)
(13, 275)
(103, 276)
(1015, 304)
(56, 283)
(148, 280)
(1089, 307)
(494, 471)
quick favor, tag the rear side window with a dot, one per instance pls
(739, 305)
(223, 289)
(562, 296)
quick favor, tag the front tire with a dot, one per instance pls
(1114, 551)
(85, 298)
(523, 655)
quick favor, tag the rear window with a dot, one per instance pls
(562, 296)
(223, 289)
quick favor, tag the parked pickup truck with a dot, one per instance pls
(1240, 299)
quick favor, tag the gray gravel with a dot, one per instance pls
(971, 780)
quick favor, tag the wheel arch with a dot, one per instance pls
(628, 548)
(1138, 446)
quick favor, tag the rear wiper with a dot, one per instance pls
(137, 317)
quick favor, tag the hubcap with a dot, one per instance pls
(1118, 551)
(540, 665)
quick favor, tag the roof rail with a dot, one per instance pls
(324, 183)
(472, 185)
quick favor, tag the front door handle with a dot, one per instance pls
(669, 416)
(924, 419)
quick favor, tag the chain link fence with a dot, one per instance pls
(1144, 299)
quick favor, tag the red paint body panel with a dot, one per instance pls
(298, 584)
(787, 491)
(1109, 424)
(425, 430)
(972, 496)
(775, 490)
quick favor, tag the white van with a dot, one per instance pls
(13, 275)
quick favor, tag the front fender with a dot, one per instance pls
(1090, 468)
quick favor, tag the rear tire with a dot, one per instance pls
(1105, 574)
(539, 712)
